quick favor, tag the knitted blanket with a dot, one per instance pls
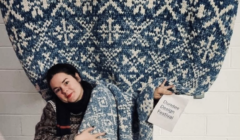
(126, 42)
(121, 115)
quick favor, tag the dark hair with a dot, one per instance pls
(64, 68)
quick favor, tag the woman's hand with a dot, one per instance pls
(162, 90)
(86, 135)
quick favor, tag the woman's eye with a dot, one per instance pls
(66, 82)
(57, 90)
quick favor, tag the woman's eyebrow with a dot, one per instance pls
(64, 80)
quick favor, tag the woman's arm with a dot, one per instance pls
(46, 128)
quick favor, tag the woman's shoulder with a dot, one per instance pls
(49, 111)
(51, 105)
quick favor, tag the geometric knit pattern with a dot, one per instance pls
(125, 42)
(121, 115)
(101, 113)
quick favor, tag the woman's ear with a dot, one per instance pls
(77, 77)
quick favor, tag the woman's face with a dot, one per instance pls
(67, 88)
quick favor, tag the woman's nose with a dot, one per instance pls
(64, 89)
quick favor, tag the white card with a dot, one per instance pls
(167, 111)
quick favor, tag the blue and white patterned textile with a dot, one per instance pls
(121, 115)
(126, 42)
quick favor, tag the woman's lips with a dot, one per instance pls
(69, 95)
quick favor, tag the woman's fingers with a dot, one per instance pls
(87, 133)
(169, 87)
(164, 91)
(89, 129)
(166, 87)
(99, 134)
(163, 83)
(167, 92)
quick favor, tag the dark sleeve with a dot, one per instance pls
(46, 128)
(155, 101)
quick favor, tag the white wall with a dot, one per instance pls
(216, 117)
(20, 105)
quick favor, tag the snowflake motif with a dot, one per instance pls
(19, 40)
(111, 31)
(165, 36)
(35, 7)
(208, 49)
(66, 30)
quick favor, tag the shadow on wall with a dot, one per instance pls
(1, 136)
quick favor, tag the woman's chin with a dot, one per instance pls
(79, 98)
(71, 100)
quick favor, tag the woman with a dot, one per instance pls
(63, 114)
